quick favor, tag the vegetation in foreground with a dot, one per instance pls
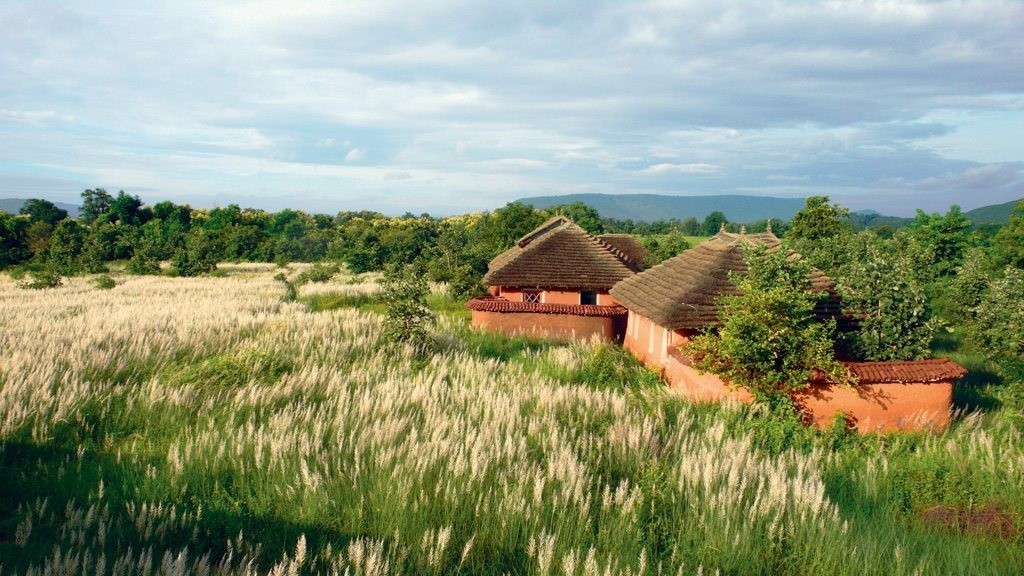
(206, 425)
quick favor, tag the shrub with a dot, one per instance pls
(318, 273)
(42, 279)
(143, 265)
(997, 321)
(464, 284)
(104, 282)
(406, 316)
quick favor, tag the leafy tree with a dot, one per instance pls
(198, 256)
(146, 260)
(507, 225)
(940, 240)
(94, 204)
(1008, 244)
(37, 236)
(998, 318)
(127, 209)
(713, 223)
(43, 211)
(818, 220)
(66, 244)
(769, 341)
(664, 247)
(583, 215)
(13, 239)
(406, 317)
(881, 292)
(968, 286)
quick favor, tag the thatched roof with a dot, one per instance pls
(628, 245)
(560, 254)
(681, 292)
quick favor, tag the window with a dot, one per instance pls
(588, 297)
(531, 296)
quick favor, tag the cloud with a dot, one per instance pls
(478, 107)
(692, 168)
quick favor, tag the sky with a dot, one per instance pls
(450, 107)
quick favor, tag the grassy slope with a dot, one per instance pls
(994, 214)
(270, 425)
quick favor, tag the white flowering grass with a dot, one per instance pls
(204, 426)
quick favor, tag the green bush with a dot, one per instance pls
(103, 282)
(42, 279)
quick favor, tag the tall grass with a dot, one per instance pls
(203, 425)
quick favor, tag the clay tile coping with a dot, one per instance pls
(503, 306)
(894, 372)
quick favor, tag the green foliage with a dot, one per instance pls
(103, 282)
(406, 316)
(997, 322)
(13, 239)
(465, 283)
(1008, 248)
(583, 215)
(939, 241)
(66, 244)
(664, 247)
(818, 220)
(888, 304)
(318, 273)
(198, 256)
(968, 286)
(769, 341)
(94, 203)
(713, 223)
(43, 211)
(42, 279)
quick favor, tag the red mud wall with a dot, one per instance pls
(874, 407)
(548, 325)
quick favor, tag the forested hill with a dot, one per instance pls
(13, 206)
(994, 214)
(654, 207)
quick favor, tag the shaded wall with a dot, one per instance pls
(873, 407)
(549, 325)
(515, 294)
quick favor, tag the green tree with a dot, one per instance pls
(998, 318)
(940, 240)
(664, 247)
(501, 229)
(713, 223)
(818, 220)
(94, 204)
(968, 286)
(1008, 244)
(13, 239)
(407, 317)
(127, 209)
(66, 244)
(198, 256)
(769, 341)
(582, 214)
(881, 292)
(39, 210)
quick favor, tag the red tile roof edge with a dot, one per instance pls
(891, 372)
(503, 306)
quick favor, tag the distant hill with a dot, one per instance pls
(653, 207)
(13, 206)
(994, 214)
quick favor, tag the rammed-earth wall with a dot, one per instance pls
(873, 407)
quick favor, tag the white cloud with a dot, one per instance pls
(354, 155)
(691, 168)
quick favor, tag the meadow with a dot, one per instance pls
(204, 425)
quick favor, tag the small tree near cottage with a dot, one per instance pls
(406, 316)
(769, 340)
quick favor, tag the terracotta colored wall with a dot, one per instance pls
(510, 294)
(550, 325)
(883, 407)
(561, 297)
(874, 407)
(605, 299)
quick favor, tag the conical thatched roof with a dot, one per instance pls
(628, 245)
(560, 254)
(681, 292)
